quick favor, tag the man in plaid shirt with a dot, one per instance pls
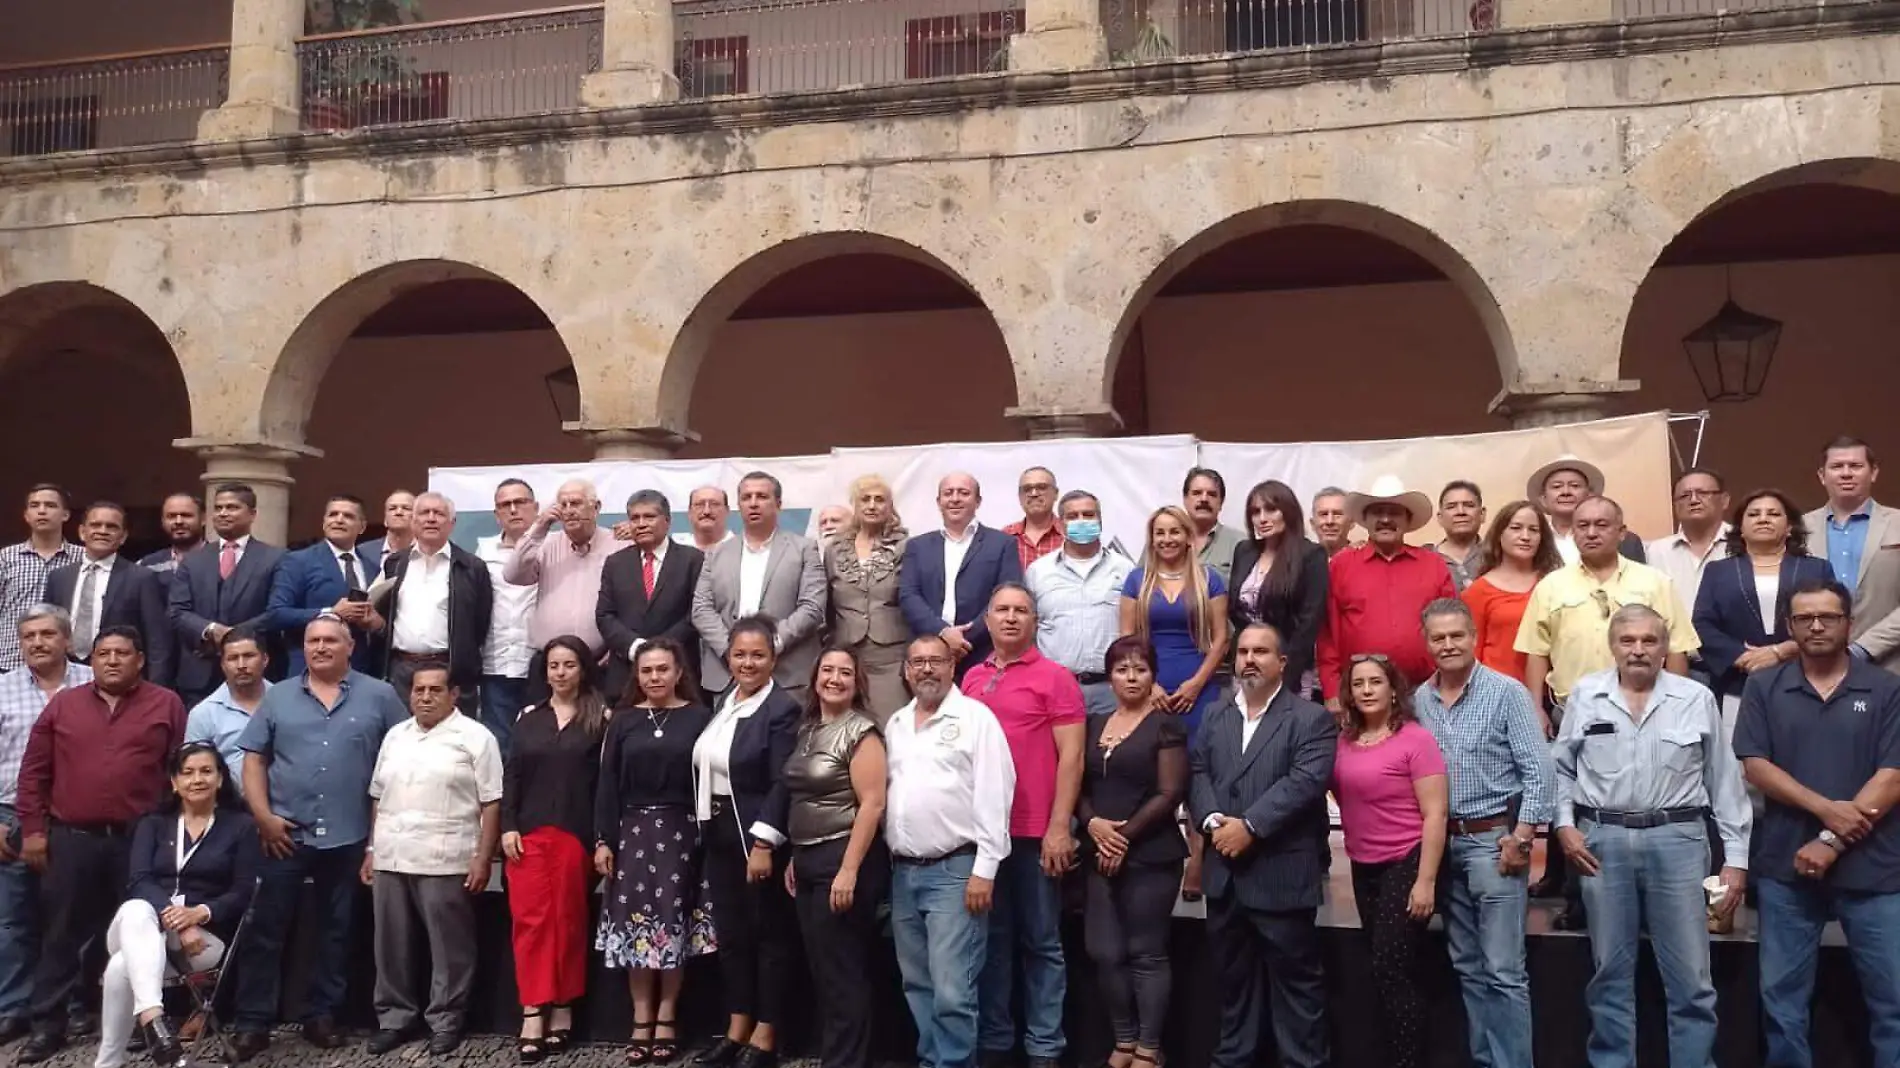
(24, 567)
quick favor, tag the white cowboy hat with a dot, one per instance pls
(1592, 476)
(1390, 489)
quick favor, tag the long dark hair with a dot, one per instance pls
(589, 707)
(1355, 720)
(1797, 543)
(861, 695)
(228, 799)
(1545, 560)
(686, 689)
(1289, 549)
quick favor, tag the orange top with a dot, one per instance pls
(1498, 613)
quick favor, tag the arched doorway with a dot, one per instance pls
(418, 365)
(91, 397)
(841, 340)
(1310, 322)
(1816, 250)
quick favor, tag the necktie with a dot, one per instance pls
(85, 615)
(227, 560)
(348, 560)
(647, 576)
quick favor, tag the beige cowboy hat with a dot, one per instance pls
(1592, 476)
(1390, 489)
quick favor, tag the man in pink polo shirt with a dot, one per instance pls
(1039, 704)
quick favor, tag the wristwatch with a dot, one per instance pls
(1832, 841)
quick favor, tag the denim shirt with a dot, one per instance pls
(321, 759)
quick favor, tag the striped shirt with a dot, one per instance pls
(1493, 747)
(1078, 607)
(23, 574)
(1674, 757)
(21, 702)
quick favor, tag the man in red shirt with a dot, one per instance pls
(1378, 589)
(94, 763)
(1037, 533)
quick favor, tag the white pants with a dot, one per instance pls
(135, 974)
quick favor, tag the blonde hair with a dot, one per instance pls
(859, 486)
(1200, 622)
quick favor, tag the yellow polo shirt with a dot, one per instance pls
(1568, 618)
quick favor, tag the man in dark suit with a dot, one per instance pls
(183, 518)
(947, 577)
(104, 590)
(223, 584)
(333, 575)
(647, 593)
(1258, 791)
(439, 607)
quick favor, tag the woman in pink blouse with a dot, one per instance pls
(1390, 782)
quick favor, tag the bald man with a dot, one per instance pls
(708, 513)
(948, 575)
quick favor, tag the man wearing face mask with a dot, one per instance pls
(1078, 598)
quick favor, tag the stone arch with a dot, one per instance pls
(690, 344)
(1353, 215)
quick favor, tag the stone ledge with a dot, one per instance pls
(1228, 73)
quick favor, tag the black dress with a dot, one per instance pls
(657, 911)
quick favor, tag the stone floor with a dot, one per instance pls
(288, 1051)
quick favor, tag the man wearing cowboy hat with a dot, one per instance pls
(1560, 486)
(1379, 588)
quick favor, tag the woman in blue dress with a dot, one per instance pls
(1179, 605)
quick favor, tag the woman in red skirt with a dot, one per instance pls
(547, 813)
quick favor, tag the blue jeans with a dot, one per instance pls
(1792, 915)
(1484, 929)
(1026, 920)
(940, 954)
(336, 875)
(502, 701)
(19, 929)
(1649, 879)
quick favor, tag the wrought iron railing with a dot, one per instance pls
(1147, 30)
(1642, 9)
(110, 101)
(727, 47)
(480, 68)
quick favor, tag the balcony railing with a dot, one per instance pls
(1643, 9)
(1146, 30)
(110, 101)
(467, 69)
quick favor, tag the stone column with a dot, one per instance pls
(636, 56)
(264, 99)
(1559, 403)
(1059, 35)
(636, 443)
(263, 467)
(1067, 422)
(1527, 14)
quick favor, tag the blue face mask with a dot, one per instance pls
(1083, 531)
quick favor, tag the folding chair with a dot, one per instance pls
(204, 987)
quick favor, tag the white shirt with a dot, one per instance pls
(954, 550)
(1767, 587)
(102, 576)
(430, 787)
(356, 563)
(712, 758)
(1567, 548)
(1673, 557)
(1078, 606)
(659, 561)
(506, 652)
(951, 783)
(422, 606)
(753, 564)
(1248, 723)
(243, 543)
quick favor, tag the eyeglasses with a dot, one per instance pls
(200, 746)
(1697, 494)
(1374, 658)
(923, 663)
(515, 502)
(1826, 619)
(1035, 487)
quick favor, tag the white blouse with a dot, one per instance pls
(712, 752)
(1767, 585)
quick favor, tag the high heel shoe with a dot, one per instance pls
(560, 1038)
(531, 1050)
(665, 1050)
(162, 1043)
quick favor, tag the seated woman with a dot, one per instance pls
(193, 866)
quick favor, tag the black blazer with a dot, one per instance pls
(134, 598)
(1297, 614)
(761, 745)
(221, 873)
(199, 598)
(624, 613)
(1728, 612)
(1278, 785)
(471, 606)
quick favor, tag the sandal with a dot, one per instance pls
(559, 1038)
(530, 1050)
(1122, 1051)
(640, 1050)
(1153, 1060)
(665, 1050)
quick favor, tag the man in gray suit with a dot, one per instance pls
(769, 571)
(1260, 767)
(1861, 538)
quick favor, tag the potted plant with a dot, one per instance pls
(355, 82)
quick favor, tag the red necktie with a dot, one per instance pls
(227, 560)
(646, 573)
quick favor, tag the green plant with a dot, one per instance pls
(356, 68)
(1150, 44)
(344, 16)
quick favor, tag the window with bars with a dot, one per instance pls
(35, 127)
(959, 44)
(711, 66)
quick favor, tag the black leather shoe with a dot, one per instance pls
(13, 1029)
(82, 1023)
(444, 1042)
(1572, 918)
(720, 1054)
(41, 1046)
(1044, 1062)
(248, 1044)
(384, 1041)
(754, 1057)
(163, 1043)
(321, 1033)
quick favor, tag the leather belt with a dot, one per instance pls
(98, 830)
(1090, 678)
(1479, 824)
(960, 851)
(441, 657)
(1638, 821)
